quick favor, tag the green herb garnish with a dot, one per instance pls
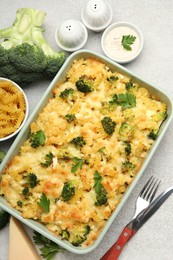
(48, 248)
(127, 41)
(127, 100)
(37, 139)
(101, 194)
(78, 164)
(44, 202)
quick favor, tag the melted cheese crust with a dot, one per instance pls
(104, 153)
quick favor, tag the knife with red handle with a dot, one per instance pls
(130, 230)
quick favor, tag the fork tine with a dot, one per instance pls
(150, 189)
(145, 187)
(154, 190)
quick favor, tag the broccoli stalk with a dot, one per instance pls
(26, 56)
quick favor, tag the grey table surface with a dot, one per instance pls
(154, 18)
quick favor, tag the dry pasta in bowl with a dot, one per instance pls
(13, 109)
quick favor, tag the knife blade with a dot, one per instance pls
(151, 209)
(134, 225)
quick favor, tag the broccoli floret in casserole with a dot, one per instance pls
(48, 160)
(66, 93)
(84, 84)
(68, 191)
(108, 125)
(128, 147)
(128, 166)
(78, 141)
(153, 135)
(25, 54)
(32, 180)
(126, 131)
(160, 116)
(65, 234)
(81, 236)
(112, 79)
(70, 117)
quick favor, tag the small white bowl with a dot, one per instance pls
(96, 15)
(26, 111)
(71, 35)
(111, 42)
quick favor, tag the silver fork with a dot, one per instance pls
(145, 197)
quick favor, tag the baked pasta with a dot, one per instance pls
(84, 149)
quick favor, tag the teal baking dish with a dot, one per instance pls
(23, 135)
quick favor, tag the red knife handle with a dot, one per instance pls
(114, 252)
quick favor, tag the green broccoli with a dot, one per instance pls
(84, 84)
(48, 160)
(101, 193)
(126, 131)
(80, 237)
(127, 166)
(112, 79)
(129, 85)
(4, 218)
(65, 234)
(68, 191)
(70, 118)
(37, 139)
(160, 116)
(108, 125)
(25, 192)
(66, 93)
(78, 141)
(32, 180)
(25, 54)
(2, 155)
(128, 147)
(153, 135)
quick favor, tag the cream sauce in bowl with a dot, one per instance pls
(112, 42)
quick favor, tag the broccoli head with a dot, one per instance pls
(68, 191)
(84, 84)
(127, 166)
(70, 118)
(4, 218)
(65, 234)
(78, 141)
(81, 236)
(112, 79)
(153, 135)
(66, 93)
(128, 147)
(108, 125)
(25, 54)
(126, 131)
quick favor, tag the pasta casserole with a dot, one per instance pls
(84, 150)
